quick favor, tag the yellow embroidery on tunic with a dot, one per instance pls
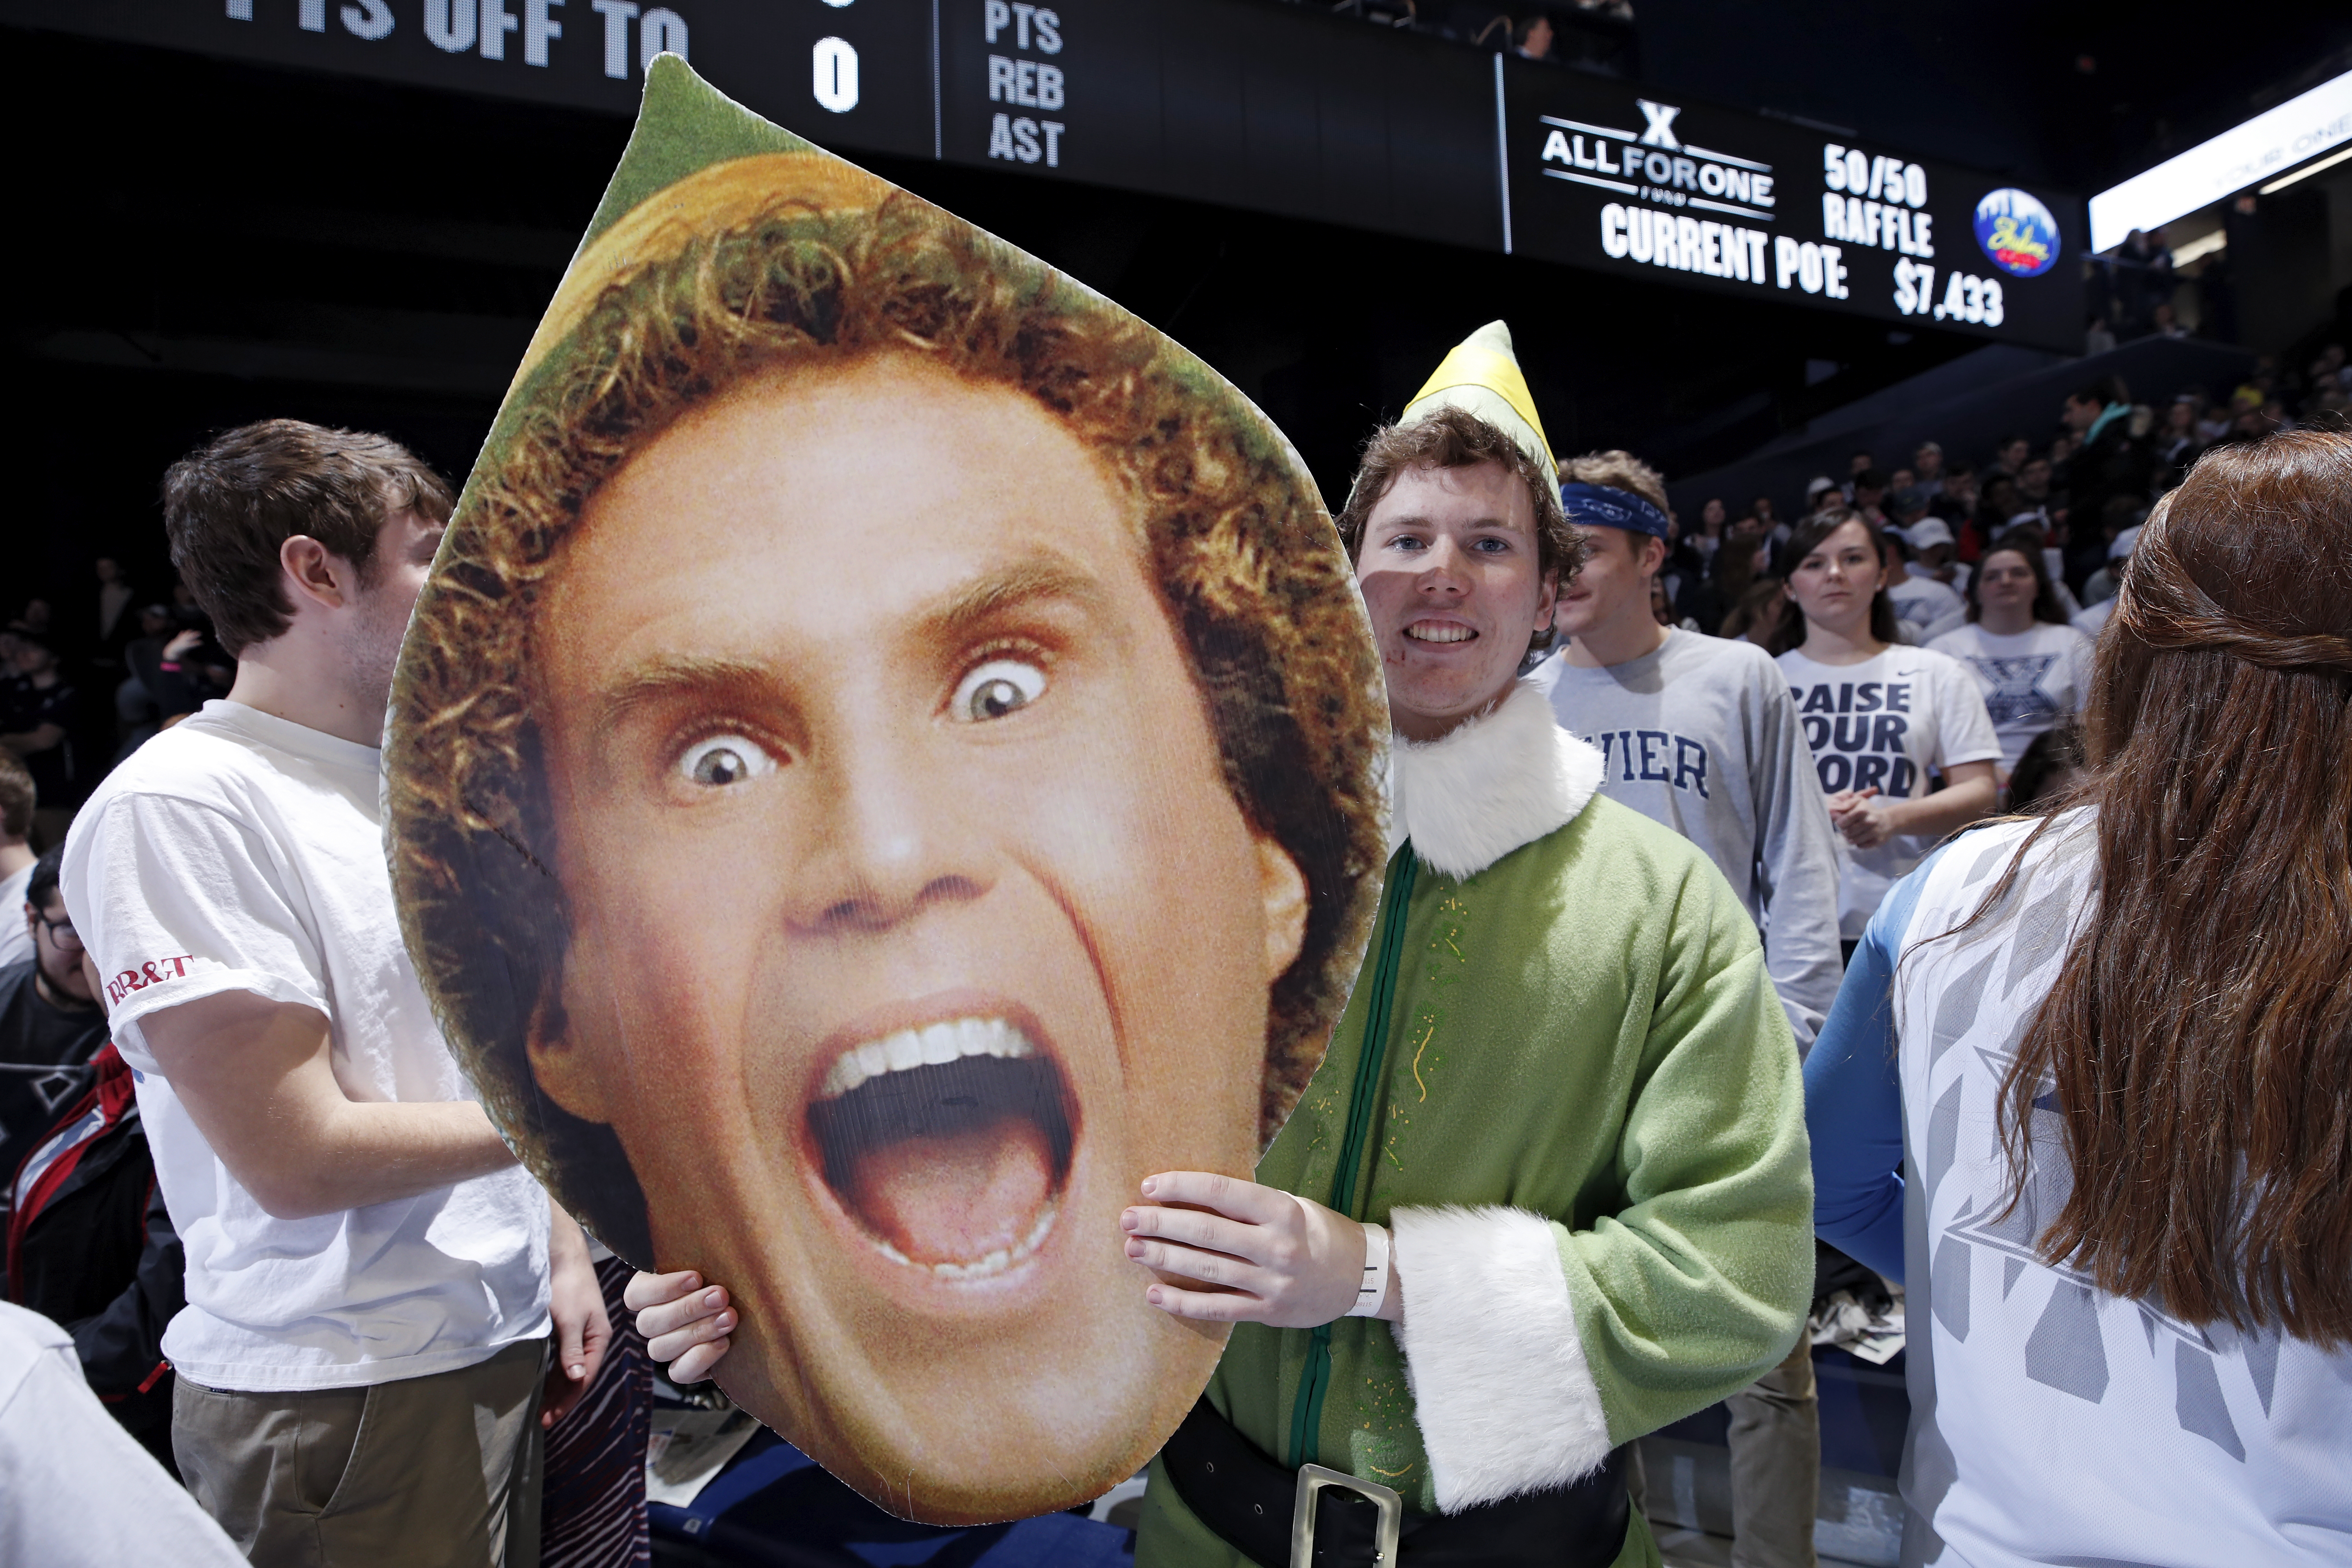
(1453, 912)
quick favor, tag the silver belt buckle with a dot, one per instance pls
(1312, 1480)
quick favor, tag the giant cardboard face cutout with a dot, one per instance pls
(889, 758)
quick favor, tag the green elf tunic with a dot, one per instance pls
(1588, 1140)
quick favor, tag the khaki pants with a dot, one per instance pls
(429, 1472)
(1776, 1465)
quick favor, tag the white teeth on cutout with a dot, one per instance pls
(996, 1262)
(1427, 633)
(933, 1046)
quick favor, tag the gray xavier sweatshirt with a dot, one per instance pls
(1702, 736)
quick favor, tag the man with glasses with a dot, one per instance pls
(50, 1023)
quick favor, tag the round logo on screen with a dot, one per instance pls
(2018, 232)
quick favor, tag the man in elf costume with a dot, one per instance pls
(1548, 1192)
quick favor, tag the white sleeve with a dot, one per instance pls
(80, 1492)
(1964, 732)
(177, 901)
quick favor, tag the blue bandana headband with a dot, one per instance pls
(1602, 506)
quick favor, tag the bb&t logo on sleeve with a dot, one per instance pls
(153, 972)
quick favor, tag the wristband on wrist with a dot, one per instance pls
(1374, 1287)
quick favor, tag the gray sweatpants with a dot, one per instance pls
(429, 1472)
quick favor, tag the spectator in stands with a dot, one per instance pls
(2144, 280)
(2063, 447)
(1532, 38)
(2092, 618)
(2050, 770)
(115, 622)
(2000, 502)
(1869, 493)
(2178, 443)
(90, 1247)
(2008, 455)
(1882, 719)
(1906, 504)
(363, 1250)
(2035, 497)
(1724, 586)
(1713, 520)
(2123, 514)
(1856, 464)
(2116, 1064)
(2113, 462)
(1928, 465)
(19, 796)
(2165, 322)
(50, 1023)
(1761, 611)
(1743, 790)
(1772, 530)
(178, 663)
(2032, 666)
(38, 712)
(1955, 496)
(33, 620)
(2212, 419)
(1619, 670)
(1919, 600)
(1932, 546)
(2028, 528)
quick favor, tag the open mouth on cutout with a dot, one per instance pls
(949, 1144)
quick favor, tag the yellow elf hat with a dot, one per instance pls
(1482, 376)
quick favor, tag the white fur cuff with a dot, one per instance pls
(1505, 1400)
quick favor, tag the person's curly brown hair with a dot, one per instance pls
(1237, 539)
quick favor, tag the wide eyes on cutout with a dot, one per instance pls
(721, 761)
(996, 688)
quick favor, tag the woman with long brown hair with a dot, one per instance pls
(2111, 1050)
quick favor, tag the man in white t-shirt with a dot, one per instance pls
(362, 1246)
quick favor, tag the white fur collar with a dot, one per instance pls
(1506, 778)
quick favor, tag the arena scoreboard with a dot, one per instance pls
(1253, 104)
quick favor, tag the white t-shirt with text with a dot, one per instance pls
(2030, 679)
(1894, 720)
(238, 851)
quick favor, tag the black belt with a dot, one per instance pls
(1252, 1502)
